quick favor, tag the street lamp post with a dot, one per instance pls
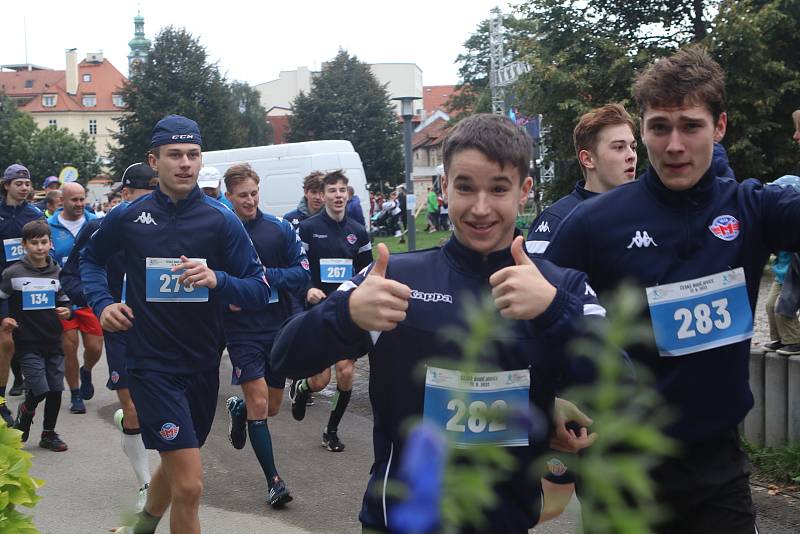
(407, 112)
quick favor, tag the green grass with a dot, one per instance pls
(780, 465)
(424, 239)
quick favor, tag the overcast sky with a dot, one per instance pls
(253, 40)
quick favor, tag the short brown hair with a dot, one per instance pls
(313, 182)
(52, 195)
(496, 137)
(687, 77)
(239, 173)
(34, 229)
(334, 177)
(586, 134)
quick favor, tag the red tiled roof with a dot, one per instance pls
(430, 136)
(106, 81)
(436, 96)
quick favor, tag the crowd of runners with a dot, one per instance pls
(176, 273)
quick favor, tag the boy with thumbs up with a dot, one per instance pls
(397, 310)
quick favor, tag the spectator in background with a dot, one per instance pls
(53, 200)
(432, 211)
(209, 181)
(353, 208)
(796, 136)
(51, 183)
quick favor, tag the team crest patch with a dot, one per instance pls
(169, 431)
(725, 227)
(114, 377)
(556, 467)
(304, 264)
(351, 238)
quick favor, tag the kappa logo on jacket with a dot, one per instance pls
(145, 218)
(431, 297)
(543, 227)
(642, 239)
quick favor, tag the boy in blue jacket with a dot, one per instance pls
(397, 309)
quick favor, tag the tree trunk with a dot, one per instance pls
(698, 22)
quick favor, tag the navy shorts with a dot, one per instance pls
(43, 372)
(116, 348)
(175, 411)
(251, 361)
(558, 472)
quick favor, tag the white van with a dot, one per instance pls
(283, 167)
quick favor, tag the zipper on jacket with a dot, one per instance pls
(385, 482)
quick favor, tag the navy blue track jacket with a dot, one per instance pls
(175, 337)
(70, 273)
(12, 219)
(650, 235)
(278, 247)
(441, 280)
(324, 238)
(545, 225)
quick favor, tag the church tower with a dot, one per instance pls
(139, 45)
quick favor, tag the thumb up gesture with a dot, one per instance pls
(521, 292)
(378, 304)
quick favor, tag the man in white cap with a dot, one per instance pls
(209, 181)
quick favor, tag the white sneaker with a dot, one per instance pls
(118, 419)
(142, 499)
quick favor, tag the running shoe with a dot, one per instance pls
(118, 417)
(5, 413)
(77, 405)
(278, 494)
(23, 422)
(298, 401)
(87, 389)
(790, 350)
(141, 500)
(237, 422)
(330, 440)
(52, 441)
(773, 345)
(17, 389)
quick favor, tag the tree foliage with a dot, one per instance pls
(43, 151)
(178, 78)
(758, 46)
(347, 102)
(256, 131)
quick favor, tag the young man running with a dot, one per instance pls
(15, 212)
(398, 310)
(337, 247)
(137, 180)
(250, 335)
(187, 257)
(696, 245)
(605, 147)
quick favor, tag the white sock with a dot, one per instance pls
(134, 449)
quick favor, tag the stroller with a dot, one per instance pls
(386, 222)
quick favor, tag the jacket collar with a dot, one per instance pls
(195, 195)
(581, 192)
(324, 214)
(699, 195)
(476, 264)
(25, 260)
(255, 220)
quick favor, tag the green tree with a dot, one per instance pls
(176, 78)
(256, 131)
(578, 63)
(758, 46)
(347, 102)
(51, 148)
(16, 129)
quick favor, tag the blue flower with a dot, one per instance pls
(422, 470)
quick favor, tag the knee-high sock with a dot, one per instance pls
(261, 441)
(133, 447)
(32, 401)
(340, 402)
(52, 405)
(16, 369)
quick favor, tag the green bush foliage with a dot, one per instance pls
(17, 487)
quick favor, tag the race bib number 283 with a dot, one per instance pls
(700, 314)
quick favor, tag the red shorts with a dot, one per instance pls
(83, 319)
